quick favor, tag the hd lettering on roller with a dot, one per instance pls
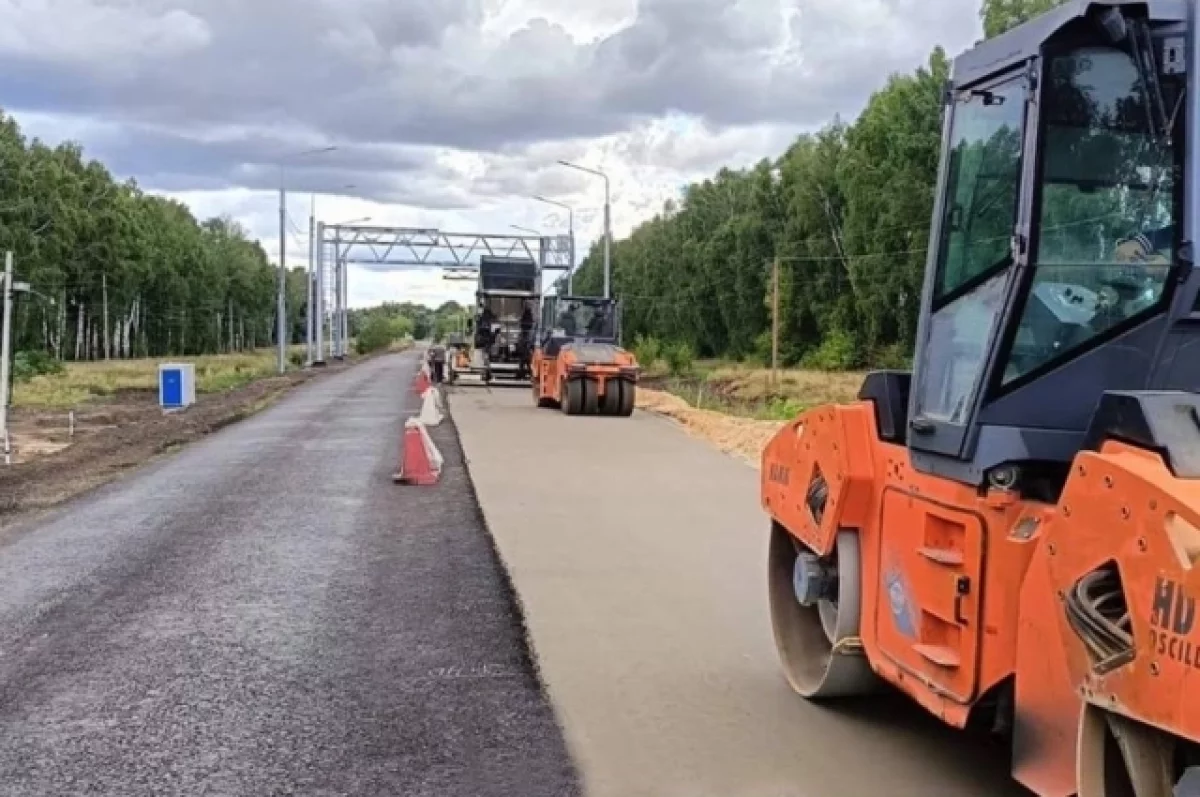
(1172, 619)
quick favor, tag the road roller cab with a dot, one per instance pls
(578, 364)
(1008, 534)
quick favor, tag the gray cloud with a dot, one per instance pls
(448, 105)
(380, 71)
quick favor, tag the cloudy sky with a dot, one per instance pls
(447, 113)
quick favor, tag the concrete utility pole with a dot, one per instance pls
(607, 225)
(570, 239)
(6, 346)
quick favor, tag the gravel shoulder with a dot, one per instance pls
(118, 435)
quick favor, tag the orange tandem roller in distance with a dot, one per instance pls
(1010, 533)
(578, 364)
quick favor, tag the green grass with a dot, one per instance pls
(82, 383)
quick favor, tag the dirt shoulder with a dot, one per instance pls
(110, 438)
(744, 438)
(740, 408)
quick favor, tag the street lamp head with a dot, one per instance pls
(555, 202)
(307, 152)
(596, 172)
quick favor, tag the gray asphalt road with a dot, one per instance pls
(265, 613)
(639, 554)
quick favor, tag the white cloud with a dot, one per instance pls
(95, 35)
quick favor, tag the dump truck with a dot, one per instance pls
(578, 364)
(501, 331)
(1009, 533)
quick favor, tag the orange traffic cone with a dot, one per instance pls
(421, 384)
(420, 462)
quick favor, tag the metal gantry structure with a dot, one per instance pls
(381, 248)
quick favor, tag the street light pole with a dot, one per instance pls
(570, 239)
(607, 224)
(308, 311)
(319, 289)
(281, 304)
(335, 318)
(345, 309)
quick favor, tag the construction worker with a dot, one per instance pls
(484, 334)
(527, 321)
(1146, 247)
(437, 362)
(566, 320)
(598, 326)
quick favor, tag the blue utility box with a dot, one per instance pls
(176, 385)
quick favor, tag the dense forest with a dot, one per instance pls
(117, 272)
(845, 210)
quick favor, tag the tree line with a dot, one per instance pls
(376, 327)
(846, 211)
(117, 272)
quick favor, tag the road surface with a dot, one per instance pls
(265, 613)
(639, 556)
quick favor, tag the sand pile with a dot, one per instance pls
(742, 437)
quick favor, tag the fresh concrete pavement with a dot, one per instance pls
(639, 555)
(265, 613)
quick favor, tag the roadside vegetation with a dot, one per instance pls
(68, 385)
(742, 389)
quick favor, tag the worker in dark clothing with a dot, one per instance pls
(527, 321)
(484, 334)
(437, 362)
(566, 321)
(598, 324)
(525, 342)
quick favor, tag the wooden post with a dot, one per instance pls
(775, 322)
